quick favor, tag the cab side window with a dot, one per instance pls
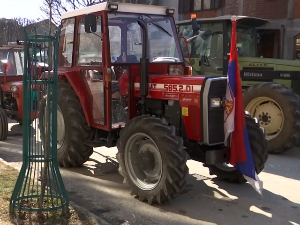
(66, 43)
(89, 45)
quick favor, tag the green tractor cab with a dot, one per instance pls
(271, 86)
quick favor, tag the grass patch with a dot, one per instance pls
(8, 178)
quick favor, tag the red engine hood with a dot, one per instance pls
(6, 87)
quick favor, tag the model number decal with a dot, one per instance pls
(179, 88)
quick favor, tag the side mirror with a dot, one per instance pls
(195, 27)
(90, 23)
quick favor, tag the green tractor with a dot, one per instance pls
(270, 86)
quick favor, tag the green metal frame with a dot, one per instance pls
(45, 193)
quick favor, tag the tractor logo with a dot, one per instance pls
(229, 103)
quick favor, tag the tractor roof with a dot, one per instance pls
(10, 47)
(122, 7)
(241, 20)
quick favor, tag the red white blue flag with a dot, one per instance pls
(234, 121)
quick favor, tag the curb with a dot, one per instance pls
(101, 221)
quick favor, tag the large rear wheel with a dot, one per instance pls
(72, 128)
(3, 125)
(278, 110)
(259, 146)
(152, 159)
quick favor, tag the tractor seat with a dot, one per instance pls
(131, 59)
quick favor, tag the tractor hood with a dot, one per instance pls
(263, 63)
(7, 86)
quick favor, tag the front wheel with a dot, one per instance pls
(259, 147)
(152, 159)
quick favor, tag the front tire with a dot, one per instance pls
(73, 129)
(259, 146)
(278, 110)
(152, 159)
(3, 125)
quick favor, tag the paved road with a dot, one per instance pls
(98, 187)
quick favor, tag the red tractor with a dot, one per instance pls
(121, 84)
(11, 78)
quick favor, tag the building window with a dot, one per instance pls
(202, 5)
(199, 5)
(297, 47)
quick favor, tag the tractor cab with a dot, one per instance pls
(106, 44)
(206, 42)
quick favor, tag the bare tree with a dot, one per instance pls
(12, 29)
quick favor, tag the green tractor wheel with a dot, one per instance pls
(278, 111)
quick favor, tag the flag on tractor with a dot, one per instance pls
(234, 121)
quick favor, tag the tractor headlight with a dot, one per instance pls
(14, 89)
(215, 102)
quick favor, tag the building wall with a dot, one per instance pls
(268, 9)
(296, 9)
(230, 7)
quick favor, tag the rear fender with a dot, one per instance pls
(78, 84)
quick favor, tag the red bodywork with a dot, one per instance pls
(7, 82)
(185, 89)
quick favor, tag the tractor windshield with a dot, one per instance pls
(14, 62)
(246, 40)
(125, 36)
(207, 53)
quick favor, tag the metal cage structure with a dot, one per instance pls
(39, 192)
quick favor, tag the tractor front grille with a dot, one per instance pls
(213, 118)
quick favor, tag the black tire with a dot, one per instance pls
(287, 99)
(3, 125)
(259, 146)
(72, 153)
(174, 157)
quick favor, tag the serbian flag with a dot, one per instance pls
(236, 134)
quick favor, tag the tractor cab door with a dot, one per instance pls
(89, 55)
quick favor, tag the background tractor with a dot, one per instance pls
(270, 86)
(121, 85)
(11, 78)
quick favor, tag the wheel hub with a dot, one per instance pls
(269, 114)
(147, 161)
(143, 161)
(264, 118)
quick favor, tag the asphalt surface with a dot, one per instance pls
(98, 187)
